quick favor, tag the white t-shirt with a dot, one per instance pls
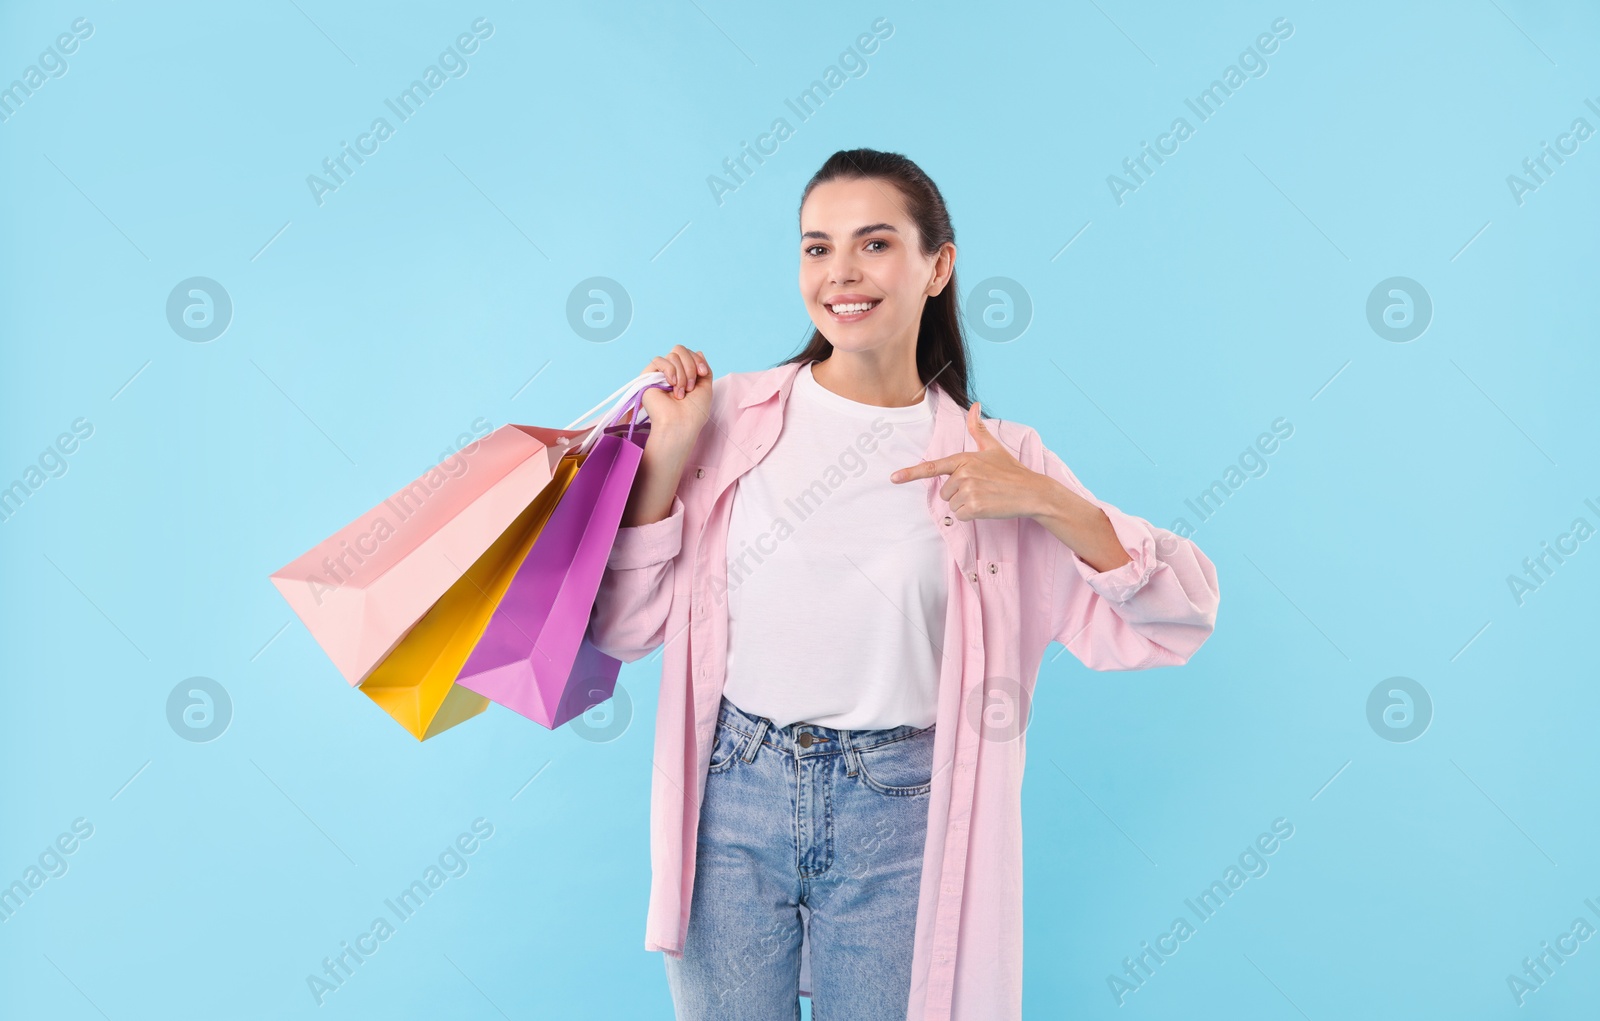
(837, 581)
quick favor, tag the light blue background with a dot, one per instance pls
(370, 331)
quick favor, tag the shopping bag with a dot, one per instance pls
(361, 589)
(535, 657)
(415, 683)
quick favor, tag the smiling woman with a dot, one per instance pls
(887, 276)
(826, 745)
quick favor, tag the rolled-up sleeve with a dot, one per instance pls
(1155, 610)
(646, 545)
(629, 616)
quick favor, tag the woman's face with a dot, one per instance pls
(858, 246)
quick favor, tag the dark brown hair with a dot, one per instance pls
(941, 342)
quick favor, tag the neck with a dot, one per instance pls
(887, 379)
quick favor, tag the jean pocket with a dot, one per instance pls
(726, 744)
(903, 767)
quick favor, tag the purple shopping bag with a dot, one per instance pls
(534, 657)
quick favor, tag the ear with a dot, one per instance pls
(943, 265)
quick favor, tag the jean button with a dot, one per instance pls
(805, 740)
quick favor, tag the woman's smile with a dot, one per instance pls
(851, 311)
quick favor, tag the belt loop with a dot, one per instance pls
(851, 759)
(754, 742)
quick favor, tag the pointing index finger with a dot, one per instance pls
(927, 469)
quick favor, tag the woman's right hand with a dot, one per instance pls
(680, 413)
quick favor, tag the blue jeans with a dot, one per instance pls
(833, 819)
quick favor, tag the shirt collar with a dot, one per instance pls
(765, 384)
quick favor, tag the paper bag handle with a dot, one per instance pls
(628, 397)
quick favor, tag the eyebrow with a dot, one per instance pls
(870, 228)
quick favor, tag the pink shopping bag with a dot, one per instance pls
(535, 657)
(360, 590)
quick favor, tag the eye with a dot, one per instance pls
(879, 241)
(812, 248)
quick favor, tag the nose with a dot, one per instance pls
(844, 270)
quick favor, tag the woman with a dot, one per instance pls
(855, 578)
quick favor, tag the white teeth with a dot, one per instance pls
(844, 310)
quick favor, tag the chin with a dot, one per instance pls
(855, 343)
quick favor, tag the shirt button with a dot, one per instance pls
(699, 473)
(947, 519)
(974, 576)
(991, 568)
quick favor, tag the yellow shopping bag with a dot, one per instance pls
(415, 683)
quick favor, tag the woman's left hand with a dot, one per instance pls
(986, 483)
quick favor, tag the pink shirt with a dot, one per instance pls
(1014, 588)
